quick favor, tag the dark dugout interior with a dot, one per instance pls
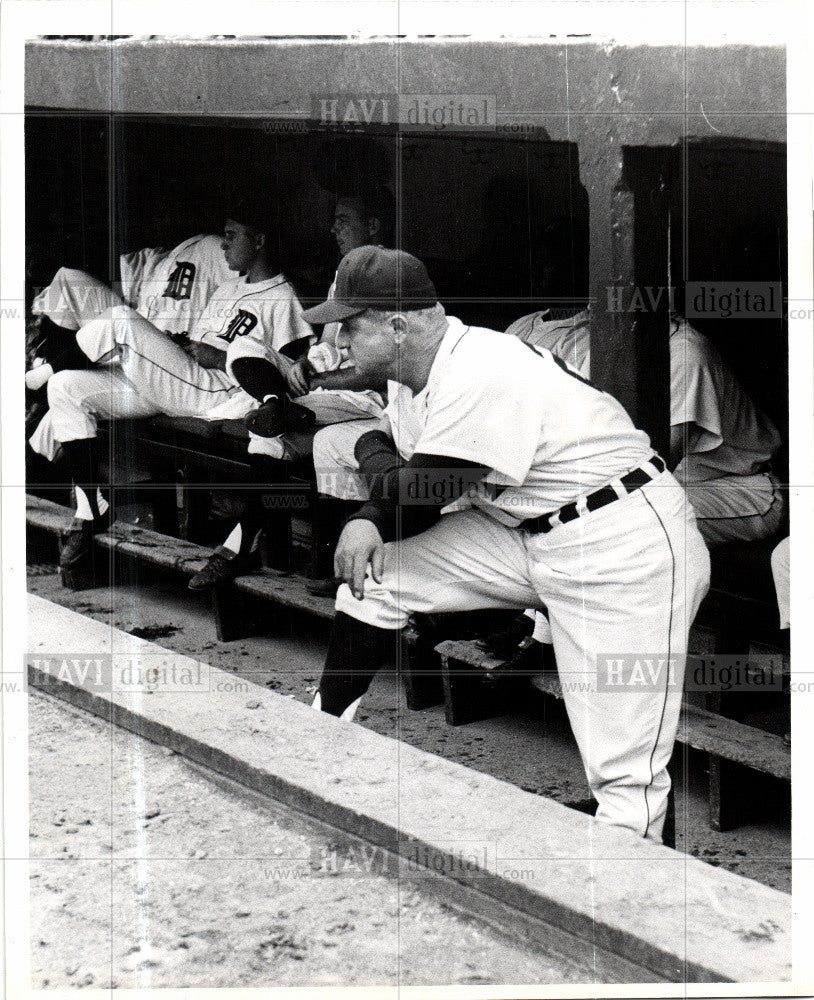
(501, 222)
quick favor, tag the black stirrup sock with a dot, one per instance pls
(259, 377)
(356, 651)
(59, 347)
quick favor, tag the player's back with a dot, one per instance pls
(171, 288)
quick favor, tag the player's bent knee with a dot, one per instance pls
(61, 385)
(379, 607)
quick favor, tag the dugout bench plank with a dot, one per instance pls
(471, 693)
(186, 558)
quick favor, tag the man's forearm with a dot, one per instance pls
(408, 499)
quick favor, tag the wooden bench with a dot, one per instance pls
(186, 457)
(434, 667)
(476, 686)
(183, 558)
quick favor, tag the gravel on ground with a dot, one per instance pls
(147, 872)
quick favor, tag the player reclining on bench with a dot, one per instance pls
(169, 288)
(147, 373)
(326, 389)
(570, 509)
(721, 447)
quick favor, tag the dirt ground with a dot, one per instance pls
(532, 748)
(150, 874)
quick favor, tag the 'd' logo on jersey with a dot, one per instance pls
(243, 323)
(181, 280)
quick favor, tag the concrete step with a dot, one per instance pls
(642, 912)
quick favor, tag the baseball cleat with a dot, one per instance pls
(505, 643)
(276, 416)
(221, 568)
(77, 540)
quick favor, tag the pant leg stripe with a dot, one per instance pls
(194, 385)
(669, 647)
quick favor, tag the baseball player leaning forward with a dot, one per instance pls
(534, 489)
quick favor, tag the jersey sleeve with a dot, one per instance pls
(136, 270)
(489, 412)
(287, 322)
(693, 395)
(210, 323)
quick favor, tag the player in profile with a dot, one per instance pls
(145, 372)
(538, 491)
(298, 394)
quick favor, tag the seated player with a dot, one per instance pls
(506, 481)
(295, 395)
(146, 373)
(169, 288)
(721, 444)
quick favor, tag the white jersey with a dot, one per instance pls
(567, 338)
(547, 436)
(251, 319)
(734, 437)
(731, 438)
(171, 287)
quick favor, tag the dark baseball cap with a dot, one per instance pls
(376, 278)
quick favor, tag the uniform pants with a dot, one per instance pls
(337, 471)
(719, 506)
(74, 298)
(152, 375)
(781, 571)
(626, 579)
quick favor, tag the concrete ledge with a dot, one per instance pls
(671, 915)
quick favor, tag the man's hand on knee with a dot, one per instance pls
(359, 544)
(208, 356)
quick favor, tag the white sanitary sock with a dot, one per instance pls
(83, 511)
(350, 711)
(347, 715)
(235, 539)
(542, 629)
(37, 377)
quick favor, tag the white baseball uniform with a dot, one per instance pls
(781, 571)
(170, 288)
(725, 468)
(151, 374)
(329, 406)
(624, 579)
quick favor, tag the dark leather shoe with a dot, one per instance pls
(220, 568)
(77, 540)
(326, 587)
(277, 416)
(505, 643)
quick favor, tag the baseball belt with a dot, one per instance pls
(600, 498)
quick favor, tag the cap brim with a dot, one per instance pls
(332, 311)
